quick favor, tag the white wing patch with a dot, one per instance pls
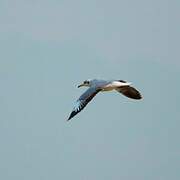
(118, 84)
(78, 105)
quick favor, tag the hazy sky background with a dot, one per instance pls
(47, 48)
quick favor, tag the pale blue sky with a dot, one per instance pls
(48, 48)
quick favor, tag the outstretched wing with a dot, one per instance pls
(83, 100)
(130, 92)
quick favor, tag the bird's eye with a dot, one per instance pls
(86, 82)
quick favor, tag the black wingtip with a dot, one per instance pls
(72, 115)
(122, 81)
(137, 96)
(69, 118)
(140, 97)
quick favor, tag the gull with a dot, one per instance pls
(96, 86)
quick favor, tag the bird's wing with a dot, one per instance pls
(83, 100)
(129, 91)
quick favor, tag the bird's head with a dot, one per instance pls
(86, 83)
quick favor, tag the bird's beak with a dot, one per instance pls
(80, 85)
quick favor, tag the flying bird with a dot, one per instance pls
(96, 86)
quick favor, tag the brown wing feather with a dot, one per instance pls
(130, 92)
